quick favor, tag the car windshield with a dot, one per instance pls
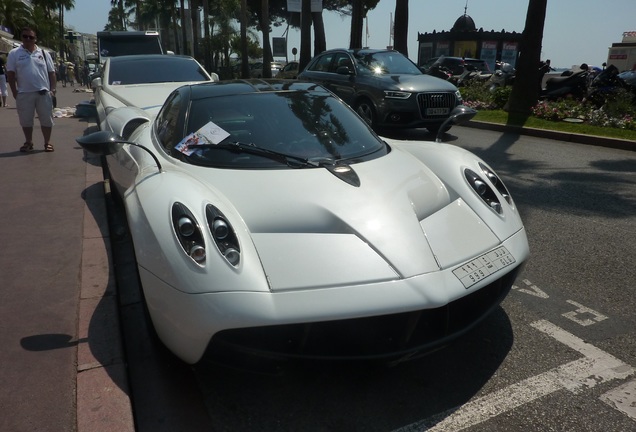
(294, 128)
(158, 69)
(386, 62)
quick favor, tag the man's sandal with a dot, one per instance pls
(48, 147)
(27, 147)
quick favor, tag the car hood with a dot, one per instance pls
(416, 83)
(303, 220)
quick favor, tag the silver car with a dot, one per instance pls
(384, 87)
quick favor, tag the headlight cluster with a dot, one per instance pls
(484, 190)
(390, 94)
(223, 235)
(496, 182)
(191, 239)
(188, 232)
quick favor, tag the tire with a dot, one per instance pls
(365, 109)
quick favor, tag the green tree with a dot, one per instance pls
(525, 91)
(14, 15)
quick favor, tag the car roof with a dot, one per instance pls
(360, 51)
(245, 86)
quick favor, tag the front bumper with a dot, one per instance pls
(427, 311)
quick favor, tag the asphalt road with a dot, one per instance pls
(559, 355)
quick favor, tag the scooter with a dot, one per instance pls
(504, 75)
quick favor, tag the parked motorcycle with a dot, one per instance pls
(571, 83)
(604, 85)
(471, 73)
(504, 75)
(440, 71)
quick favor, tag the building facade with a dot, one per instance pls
(465, 40)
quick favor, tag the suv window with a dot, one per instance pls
(322, 63)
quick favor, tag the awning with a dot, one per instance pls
(7, 44)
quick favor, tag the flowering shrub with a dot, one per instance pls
(617, 110)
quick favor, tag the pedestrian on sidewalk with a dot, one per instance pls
(31, 76)
(3, 84)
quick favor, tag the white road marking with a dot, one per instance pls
(596, 367)
(533, 290)
(623, 398)
(598, 317)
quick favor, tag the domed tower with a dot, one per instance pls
(464, 24)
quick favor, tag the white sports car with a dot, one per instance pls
(142, 81)
(267, 216)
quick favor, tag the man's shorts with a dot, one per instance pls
(27, 104)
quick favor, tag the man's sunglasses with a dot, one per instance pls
(28, 37)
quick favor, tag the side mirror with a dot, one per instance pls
(97, 81)
(104, 143)
(460, 114)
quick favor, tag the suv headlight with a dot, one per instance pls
(391, 94)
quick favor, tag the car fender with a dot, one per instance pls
(149, 208)
(123, 121)
(449, 162)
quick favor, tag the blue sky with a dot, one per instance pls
(576, 31)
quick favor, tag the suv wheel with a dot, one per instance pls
(366, 110)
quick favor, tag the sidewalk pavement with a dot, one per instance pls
(64, 363)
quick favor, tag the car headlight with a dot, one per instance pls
(496, 182)
(458, 95)
(223, 234)
(188, 232)
(390, 94)
(485, 191)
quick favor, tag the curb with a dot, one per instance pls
(594, 140)
(103, 389)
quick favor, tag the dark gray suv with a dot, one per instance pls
(384, 87)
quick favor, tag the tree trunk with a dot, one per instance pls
(320, 40)
(401, 27)
(267, 48)
(305, 34)
(357, 24)
(194, 19)
(245, 68)
(207, 56)
(525, 91)
(184, 38)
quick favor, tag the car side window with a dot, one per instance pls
(342, 60)
(322, 63)
(168, 131)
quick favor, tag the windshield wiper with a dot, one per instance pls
(292, 161)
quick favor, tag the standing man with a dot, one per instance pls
(3, 84)
(31, 76)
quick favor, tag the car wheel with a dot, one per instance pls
(366, 110)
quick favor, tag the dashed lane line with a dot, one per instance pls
(596, 367)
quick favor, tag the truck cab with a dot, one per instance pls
(118, 43)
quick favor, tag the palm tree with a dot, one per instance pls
(525, 90)
(14, 15)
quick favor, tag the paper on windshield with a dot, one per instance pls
(210, 133)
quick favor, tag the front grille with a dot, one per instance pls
(380, 337)
(436, 100)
